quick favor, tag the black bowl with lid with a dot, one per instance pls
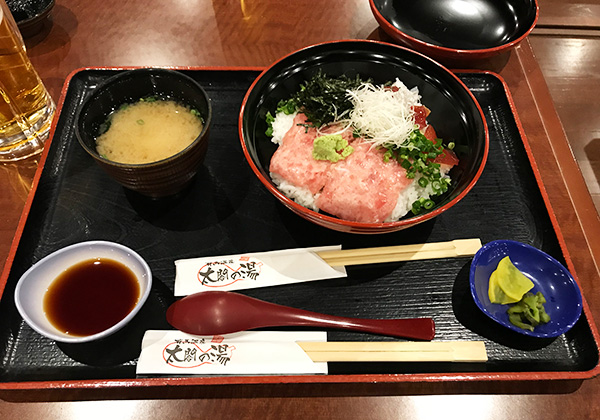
(457, 29)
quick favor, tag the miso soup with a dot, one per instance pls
(148, 131)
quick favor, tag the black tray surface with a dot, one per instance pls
(227, 211)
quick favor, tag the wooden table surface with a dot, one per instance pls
(254, 33)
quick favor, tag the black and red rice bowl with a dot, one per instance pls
(455, 114)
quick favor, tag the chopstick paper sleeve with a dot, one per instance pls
(247, 271)
(173, 352)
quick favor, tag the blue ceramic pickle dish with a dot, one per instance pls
(563, 297)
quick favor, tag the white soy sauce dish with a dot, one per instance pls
(36, 281)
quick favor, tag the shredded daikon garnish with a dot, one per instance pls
(384, 115)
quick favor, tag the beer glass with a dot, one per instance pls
(26, 108)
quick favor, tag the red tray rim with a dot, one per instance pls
(151, 382)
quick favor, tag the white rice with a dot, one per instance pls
(300, 195)
(281, 125)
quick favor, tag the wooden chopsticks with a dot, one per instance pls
(455, 248)
(391, 351)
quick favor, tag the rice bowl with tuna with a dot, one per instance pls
(382, 176)
(455, 114)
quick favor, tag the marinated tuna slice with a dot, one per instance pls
(363, 188)
(447, 159)
(293, 161)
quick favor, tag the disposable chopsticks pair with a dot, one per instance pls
(455, 248)
(388, 351)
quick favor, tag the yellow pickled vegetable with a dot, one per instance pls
(507, 283)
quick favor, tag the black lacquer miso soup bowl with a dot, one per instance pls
(161, 178)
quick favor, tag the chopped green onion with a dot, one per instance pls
(269, 119)
(387, 155)
(104, 127)
(416, 207)
(287, 107)
(416, 155)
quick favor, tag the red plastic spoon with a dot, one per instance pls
(213, 313)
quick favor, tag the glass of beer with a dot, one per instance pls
(26, 108)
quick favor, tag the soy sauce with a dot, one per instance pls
(91, 296)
